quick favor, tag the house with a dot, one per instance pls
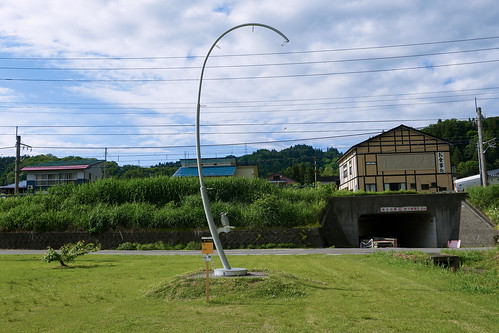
(281, 180)
(325, 180)
(476, 180)
(402, 158)
(42, 176)
(216, 167)
(10, 189)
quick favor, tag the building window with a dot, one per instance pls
(395, 186)
(350, 167)
(413, 186)
(433, 185)
(345, 172)
(370, 187)
(425, 187)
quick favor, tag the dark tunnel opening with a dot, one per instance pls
(411, 229)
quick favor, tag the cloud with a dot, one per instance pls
(164, 44)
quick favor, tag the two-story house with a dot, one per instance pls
(402, 158)
(42, 176)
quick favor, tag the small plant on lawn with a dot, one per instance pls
(68, 252)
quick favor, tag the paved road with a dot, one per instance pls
(281, 252)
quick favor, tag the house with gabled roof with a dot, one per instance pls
(402, 158)
(281, 180)
(216, 167)
(47, 174)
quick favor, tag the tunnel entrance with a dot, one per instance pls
(411, 229)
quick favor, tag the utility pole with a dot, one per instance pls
(315, 171)
(18, 162)
(481, 154)
(105, 161)
(17, 168)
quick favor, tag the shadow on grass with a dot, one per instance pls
(85, 266)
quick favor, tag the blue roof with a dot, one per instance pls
(218, 171)
(22, 183)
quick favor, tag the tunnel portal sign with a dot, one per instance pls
(403, 209)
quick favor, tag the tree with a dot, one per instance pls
(68, 253)
(466, 169)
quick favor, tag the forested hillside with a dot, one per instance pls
(463, 134)
(297, 162)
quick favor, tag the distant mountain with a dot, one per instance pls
(297, 162)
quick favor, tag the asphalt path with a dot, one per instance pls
(256, 252)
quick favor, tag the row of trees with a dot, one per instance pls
(297, 162)
(464, 137)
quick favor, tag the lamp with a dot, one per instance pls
(227, 270)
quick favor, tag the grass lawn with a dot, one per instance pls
(317, 293)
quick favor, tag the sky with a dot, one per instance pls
(82, 77)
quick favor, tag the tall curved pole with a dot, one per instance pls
(204, 193)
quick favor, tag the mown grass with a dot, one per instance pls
(314, 293)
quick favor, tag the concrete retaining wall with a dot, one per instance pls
(476, 229)
(302, 237)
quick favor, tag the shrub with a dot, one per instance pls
(128, 246)
(68, 253)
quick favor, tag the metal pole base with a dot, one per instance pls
(231, 272)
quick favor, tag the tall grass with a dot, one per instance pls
(487, 199)
(161, 203)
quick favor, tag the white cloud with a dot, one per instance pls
(140, 29)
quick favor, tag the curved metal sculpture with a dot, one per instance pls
(227, 270)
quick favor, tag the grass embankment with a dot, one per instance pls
(487, 199)
(161, 203)
(350, 293)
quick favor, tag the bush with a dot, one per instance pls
(68, 253)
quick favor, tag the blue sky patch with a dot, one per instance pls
(225, 8)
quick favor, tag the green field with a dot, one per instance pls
(312, 293)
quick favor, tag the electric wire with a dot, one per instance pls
(207, 105)
(232, 124)
(259, 54)
(296, 63)
(284, 76)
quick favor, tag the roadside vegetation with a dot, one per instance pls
(312, 293)
(487, 199)
(162, 203)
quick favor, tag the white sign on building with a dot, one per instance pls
(403, 209)
(441, 163)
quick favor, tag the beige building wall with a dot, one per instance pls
(247, 171)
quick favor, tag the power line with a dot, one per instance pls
(255, 54)
(204, 145)
(301, 110)
(191, 133)
(254, 77)
(192, 105)
(247, 65)
(229, 124)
